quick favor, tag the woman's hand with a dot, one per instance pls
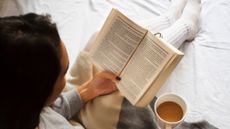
(102, 83)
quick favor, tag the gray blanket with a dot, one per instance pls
(143, 118)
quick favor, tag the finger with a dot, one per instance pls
(112, 87)
(108, 75)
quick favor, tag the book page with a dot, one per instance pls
(144, 66)
(116, 42)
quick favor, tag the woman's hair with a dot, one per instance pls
(30, 64)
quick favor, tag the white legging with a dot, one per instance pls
(176, 28)
(175, 33)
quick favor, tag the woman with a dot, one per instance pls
(33, 64)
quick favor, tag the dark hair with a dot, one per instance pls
(30, 64)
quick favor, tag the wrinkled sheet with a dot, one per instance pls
(203, 75)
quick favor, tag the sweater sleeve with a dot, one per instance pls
(68, 104)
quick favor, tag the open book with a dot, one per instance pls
(143, 60)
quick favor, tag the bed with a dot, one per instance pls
(203, 75)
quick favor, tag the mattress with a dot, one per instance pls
(203, 75)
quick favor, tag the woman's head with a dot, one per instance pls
(30, 63)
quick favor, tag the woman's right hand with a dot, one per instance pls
(102, 83)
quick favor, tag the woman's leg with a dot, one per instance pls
(186, 27)
(167, 19)
(159, 23)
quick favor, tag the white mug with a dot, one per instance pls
(174, 98)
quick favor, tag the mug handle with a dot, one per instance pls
(167, 126)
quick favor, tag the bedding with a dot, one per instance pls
(203, 75)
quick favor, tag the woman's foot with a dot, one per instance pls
(175, 10)
(190, 17)
(186, 27)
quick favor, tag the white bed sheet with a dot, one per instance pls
(202, 77)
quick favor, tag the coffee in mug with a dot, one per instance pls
(170, 110)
